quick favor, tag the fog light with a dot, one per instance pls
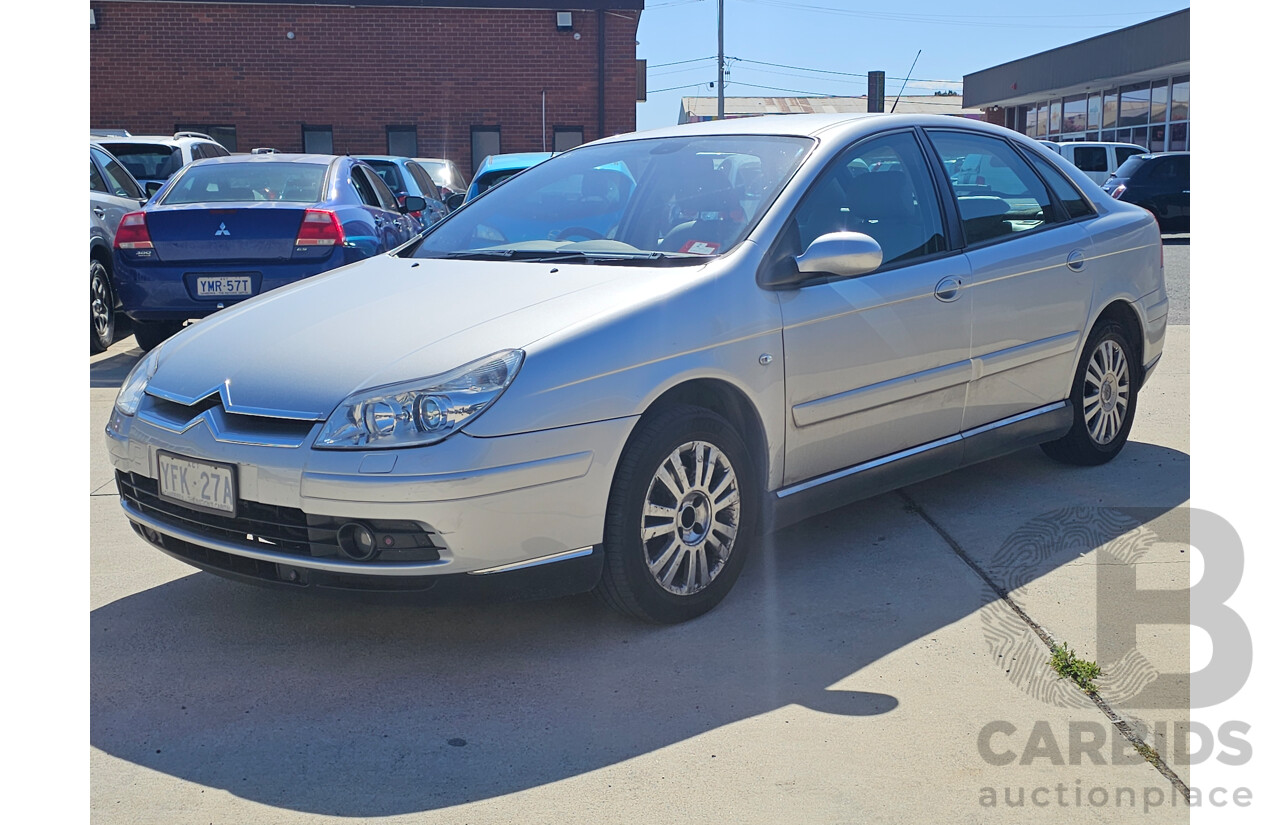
(356, 541)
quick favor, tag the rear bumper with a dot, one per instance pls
(167, 292)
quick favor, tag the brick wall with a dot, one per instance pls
(154, 65)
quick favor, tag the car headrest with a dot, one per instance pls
(881, 195)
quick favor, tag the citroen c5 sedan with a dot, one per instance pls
(787, 314)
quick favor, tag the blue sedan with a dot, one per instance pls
(225, 229)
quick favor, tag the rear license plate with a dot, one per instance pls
(224, 286)
(204, 485)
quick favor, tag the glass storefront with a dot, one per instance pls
(1155, 115)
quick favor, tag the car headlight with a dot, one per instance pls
(419, 412)
(135, 385)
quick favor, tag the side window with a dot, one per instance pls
(96, 183)
(1123, 153)
(882, 188)
(1090, 158)
(425, 183)
(363, 188)
(385, 199)
(119, 183)
(1077, 205)
(996, 192)
(1181, 165)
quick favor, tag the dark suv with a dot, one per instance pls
(1159, 183)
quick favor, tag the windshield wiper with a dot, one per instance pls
(640, 258)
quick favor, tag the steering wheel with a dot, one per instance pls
(580, 232)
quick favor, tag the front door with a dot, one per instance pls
(878, 363)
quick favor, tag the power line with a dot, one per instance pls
(831, 71)
(986, 21)
(682, 62)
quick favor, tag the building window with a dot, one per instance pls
(1042, 120)
(485, 141)
(1135, 105)
(1110, 109)
(1095, 113)
(1181, 108)
(226, 135)
(1055, 117)
(317, 140)
(1178, 141)
(566, 137)
(1074, 115)
(1159, 101)
(402, 141)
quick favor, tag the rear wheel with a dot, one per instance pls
(681, 517)
(150, 334)
(102, 308)
(1104, 398)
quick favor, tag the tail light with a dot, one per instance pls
(320, 227)
(132, 232)
(1118, 191)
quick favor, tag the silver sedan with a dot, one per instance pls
(617, 369)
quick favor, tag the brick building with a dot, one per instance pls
(422, 78)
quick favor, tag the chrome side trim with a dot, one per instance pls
(401, 569)
(869, 465)
(541, 560)
(224, 391)
(1014, 419)
(1023, 354)
(915, 451)
(885, 392)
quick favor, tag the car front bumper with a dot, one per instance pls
(526, 507)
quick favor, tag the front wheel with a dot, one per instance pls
(681, 517)
(1104, 398)
(102, 308)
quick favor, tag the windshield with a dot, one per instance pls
(443, 173)
(252, 181)
(1133, 164)
(648, 198)
(147, 161)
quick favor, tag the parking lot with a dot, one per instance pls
(862, 670)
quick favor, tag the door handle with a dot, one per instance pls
(99, 211)
(1075, 260)
(948, 289)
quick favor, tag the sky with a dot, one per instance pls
(816, 45)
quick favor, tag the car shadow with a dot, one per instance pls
(1176, 240)
(354, 709)
(110, 372)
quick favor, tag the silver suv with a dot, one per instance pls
(152, 159)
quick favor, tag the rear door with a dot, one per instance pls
(369, 188)
(1031, 285)
(112, 192)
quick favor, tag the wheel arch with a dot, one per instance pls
(729, 402)
(1122, 312)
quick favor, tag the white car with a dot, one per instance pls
(518, 402)
(1096, 159)
(152, 159)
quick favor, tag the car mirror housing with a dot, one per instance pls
(455, 200)
(846, 254)
(414, 203)
(838, 254)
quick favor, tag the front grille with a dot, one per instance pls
(279, 529)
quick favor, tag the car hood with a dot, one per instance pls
(299, 351)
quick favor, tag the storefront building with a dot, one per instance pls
(1132, 85)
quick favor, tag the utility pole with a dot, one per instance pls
(720, 64)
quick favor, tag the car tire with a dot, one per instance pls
(150, 334)
(102, 308)
(681, 517)
(1104, 398)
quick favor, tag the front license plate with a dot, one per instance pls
(224, 286)
(205, 485)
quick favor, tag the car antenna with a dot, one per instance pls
(904, 82)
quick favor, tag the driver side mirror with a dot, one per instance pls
(455, 200)
(842, 254)
(413, 203)
(153, 187)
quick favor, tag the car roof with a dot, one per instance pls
(514, 160)
(843, 126)
(393, 158)
(323, 160)
(167, 140)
